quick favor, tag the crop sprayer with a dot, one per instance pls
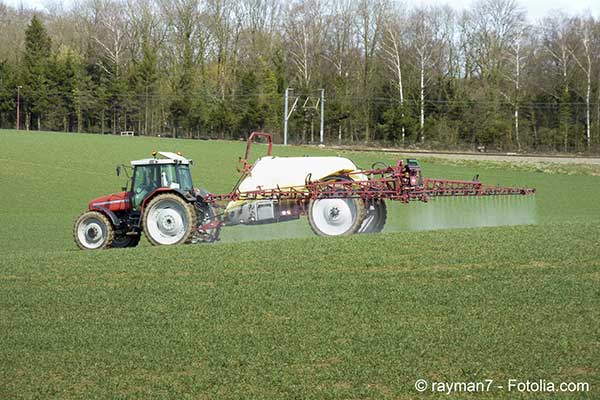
(338, 198)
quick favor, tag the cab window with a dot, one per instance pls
(147, 178)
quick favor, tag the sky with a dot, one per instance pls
(535, 8)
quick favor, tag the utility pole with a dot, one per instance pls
(309, 104)
(19, 107)
(285, 117)
(287, 112)
(322, 116)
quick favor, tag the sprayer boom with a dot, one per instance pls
(401, 182)
(447, 187)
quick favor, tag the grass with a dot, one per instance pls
(359, 317)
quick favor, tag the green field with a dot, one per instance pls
(304, 317)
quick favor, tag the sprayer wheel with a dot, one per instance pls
(382, 217)
(335, 216)
(341, 216)
(375, 218)
(168, 220)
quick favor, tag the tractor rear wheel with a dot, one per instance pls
(93, 230)
(335, 216)
(168, 219)
(375, 218)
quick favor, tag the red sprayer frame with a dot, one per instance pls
(387, 183)
(400, 183)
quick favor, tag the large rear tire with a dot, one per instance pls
(376, 216)
(168, 220)
(93, 231)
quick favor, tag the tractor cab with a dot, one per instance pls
(170, 171)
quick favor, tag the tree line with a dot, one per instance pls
(430, 77)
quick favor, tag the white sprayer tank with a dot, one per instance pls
(271, 172)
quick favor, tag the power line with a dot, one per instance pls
(332, 97)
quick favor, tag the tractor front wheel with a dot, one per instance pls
(168, 219)
(93, 230)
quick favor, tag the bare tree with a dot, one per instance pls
(369, 25)
(225, 26)
(338, 51)
(428, 39)
(583, 59)
(557, 41)
(305, 27)
(497, 23)
(106, 24)
(261, 24)
(12, 25)
(187, 31)
(109, 28)
(517, 55)
(392, 49)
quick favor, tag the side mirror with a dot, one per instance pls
(118, 170)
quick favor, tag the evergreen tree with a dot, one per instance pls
(144, 76)
(268, 98)
(249, 113)
(184, 86)
(7, 95)
(35, 69)
(395, 118)
(564, 117)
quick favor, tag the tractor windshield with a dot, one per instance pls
(147, 178)
(184, 178)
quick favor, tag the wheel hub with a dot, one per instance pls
(167, 222)
(334, 216)
(334, 213)
(92, 233)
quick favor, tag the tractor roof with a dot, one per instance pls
(167, 158)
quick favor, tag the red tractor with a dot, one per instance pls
(158, 200)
